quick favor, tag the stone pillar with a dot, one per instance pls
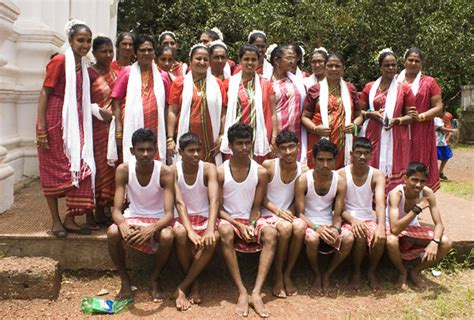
(466, 120)
(9, 12)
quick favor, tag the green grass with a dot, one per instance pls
(463, 147)
(463, 189)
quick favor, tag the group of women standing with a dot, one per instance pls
(78, 152)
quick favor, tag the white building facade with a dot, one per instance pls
(30, 32)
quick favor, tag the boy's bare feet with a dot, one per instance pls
(259, 306)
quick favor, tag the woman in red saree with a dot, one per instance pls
(318, 67)
(386, 105)
(289, 95)
(428, 105)
(102, 83)
(330, 108)
(259, 39)
(66, 166)
(139, 99)
(168, 39)
(197, 104)
(124, 47)
(252, 103)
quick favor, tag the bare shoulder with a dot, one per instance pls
(220, 173)
(262, 172)
(342, 172)
(428, 192)
(122, 170)
(304, 168)
(268, 164)
(209, 169)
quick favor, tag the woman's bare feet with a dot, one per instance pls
(243, 305)
(259, 306)
(182, 303)
(157, 294)
(290, 287)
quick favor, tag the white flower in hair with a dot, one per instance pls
(202, 45)
(269, 51)
(70, 24)
(254, 32)
(321, 49)
(219, 33)
(217, 42)
(302, 53)
(167, 32)
(405, 54)
(386, 50)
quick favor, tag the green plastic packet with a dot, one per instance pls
(97, 305)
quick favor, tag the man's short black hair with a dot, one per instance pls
(363, 143)
(285, 137)
(143, 135)
(324, 145)
(415, 167)
(188, 139)
(239, 131)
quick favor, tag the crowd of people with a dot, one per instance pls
(257, 155)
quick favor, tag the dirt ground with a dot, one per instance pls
(461, 166)
(448, 296)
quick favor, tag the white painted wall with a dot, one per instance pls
(30, 32)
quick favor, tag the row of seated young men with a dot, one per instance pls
(275, 209)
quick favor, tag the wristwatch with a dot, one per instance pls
(417, 209)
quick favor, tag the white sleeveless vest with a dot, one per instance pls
(196, 196)
(359, 199)
(279, 193)
(147, 201)
(318, 208)
(238, 197)
(401, 207)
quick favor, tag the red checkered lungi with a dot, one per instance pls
(150, 247)
(239, 242)
(274, 220)
(326, 248)
(411, 250)
(199, 223)
(371, 226)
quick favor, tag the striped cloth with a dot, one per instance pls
(239, 242)
(370, 224)
(199, 223)
(410, 250)
(150, 247)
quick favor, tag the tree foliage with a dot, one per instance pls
(356, 28)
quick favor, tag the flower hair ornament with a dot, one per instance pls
(302, 53)
(269, 51)
(321, 49)
(219, 33)
(171, 33)
(218, 43)
(68, 26)
(386, 50)
(254, 32)
(200, 45)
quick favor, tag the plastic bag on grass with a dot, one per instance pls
(97, 305)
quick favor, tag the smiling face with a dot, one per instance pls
(415, 183)
(145, 54)
(413, 63)
(104, 54)
(288, 151)
(191, 154)
(199, 61)
(81, 42)
(334, 69)
(249, 62)
(218, 59)
(318, 65)
(205, 39)
(125, 47)
(165, 60)
(388, 68)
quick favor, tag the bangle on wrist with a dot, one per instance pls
(401, 121)
(437, 241)
(339, 230)
(169, 140)
(422, 117)
(316, 227)
(253, 223)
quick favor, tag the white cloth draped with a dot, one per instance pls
(346, 102)
(214, 104)
(134, 118)
(415, 85)
(261, 146)
(386, 138)
(267, 70)
(310, 81)
(70, 121)
(298, 82)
